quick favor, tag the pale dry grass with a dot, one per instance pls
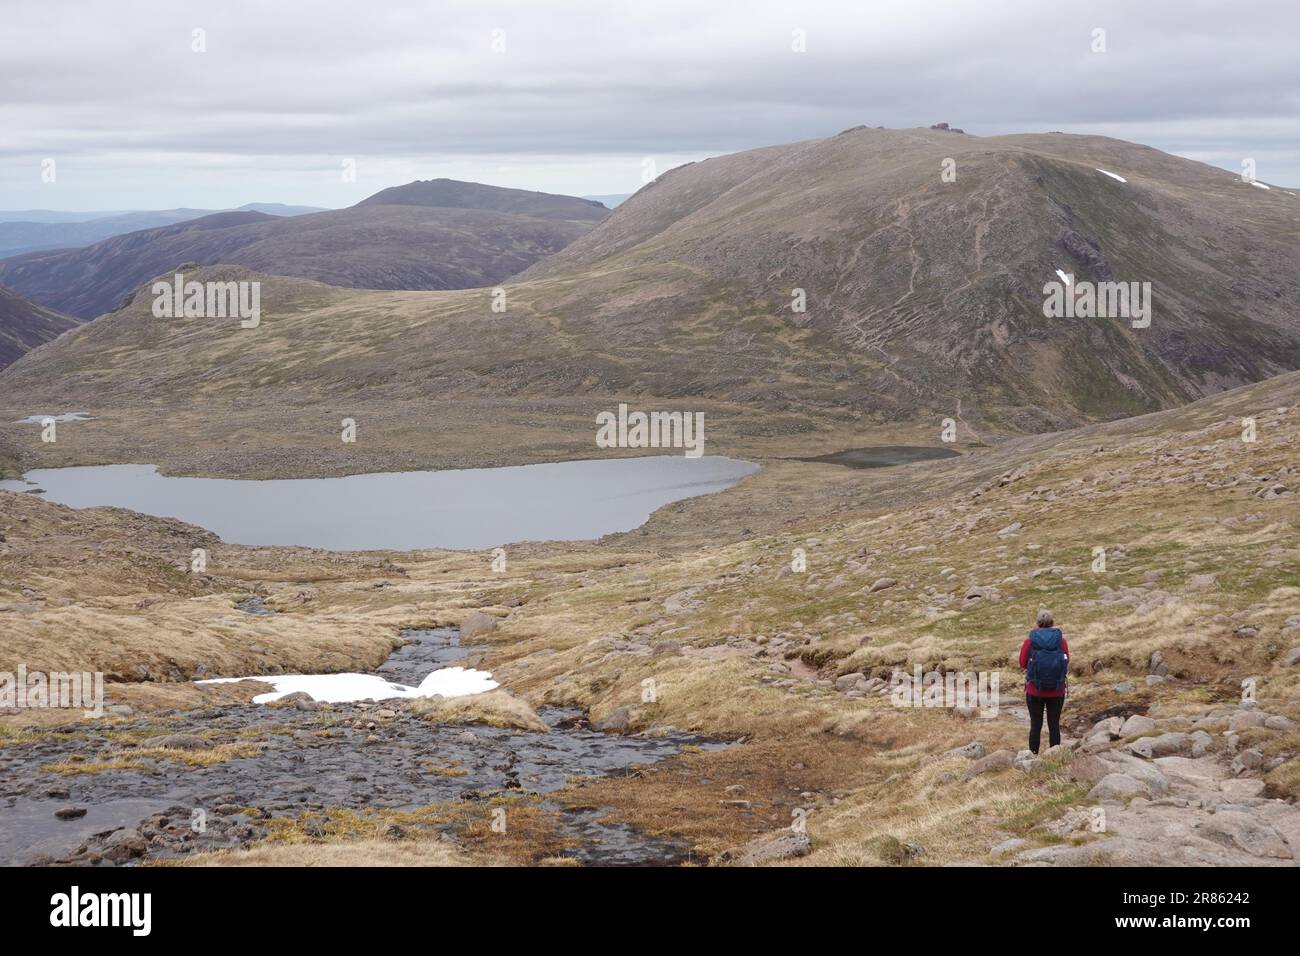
(588, 625)
(936, 808)
(359, 853)
(496, 708)
(124, 640)
(140, 758)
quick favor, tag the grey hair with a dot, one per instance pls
(1044, 618)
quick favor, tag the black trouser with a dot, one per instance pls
(1036, 705)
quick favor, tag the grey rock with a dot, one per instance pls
(1117, 786)
(971, 751)
(1137, 724)
(1089, 769)
(768, 849)
(1163, 745)
(181, 742)
(617, 721)
(1145, 773)
(998, 760)
(123, 845)
(849, 681)
(477, 623)
(1245, 831)
(1246, 718)
(1247, 760)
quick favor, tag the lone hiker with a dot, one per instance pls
(1046, 659)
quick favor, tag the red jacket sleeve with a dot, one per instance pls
(1024, 654)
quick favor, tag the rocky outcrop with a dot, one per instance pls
(1170, 797)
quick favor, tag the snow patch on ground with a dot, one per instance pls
(1065, 277)
(1256, 182)
(1110, 174)
(65, 417)
(346, 688)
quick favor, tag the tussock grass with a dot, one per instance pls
(495, 709)
(358, 853)
(140, 759)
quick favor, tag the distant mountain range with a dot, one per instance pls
(923, 293)
(437, 234)
(34, 229)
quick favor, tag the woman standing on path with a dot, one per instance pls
(1046, 659)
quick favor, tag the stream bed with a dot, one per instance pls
(401, 762)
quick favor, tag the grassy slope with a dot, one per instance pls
(25, 325)
(924, 303)
(695, 600)
(377, 247)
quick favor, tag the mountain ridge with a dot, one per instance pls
(24, 325)
(382, 245)
(925, 305)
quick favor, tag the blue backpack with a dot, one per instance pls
(1047, 662)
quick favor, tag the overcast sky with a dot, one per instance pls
(287, 92)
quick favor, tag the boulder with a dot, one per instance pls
(1117, 786)
(1089, 769)
(1110, 727)
(1201, 743)
(1163, 745)
(477, 623)
(1247, 760)
(1145, 773)
(849, 681)
(123, 845)
(1246, 718)
(971, 751)
(998, 760)
(1096, 744)
(616, 721)
(786, 845)
(1026, 761)
(881, 584)
(181, 742)
(292, 700)
(1136, 725)
(1247, 832)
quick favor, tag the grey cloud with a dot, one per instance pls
(114, 87)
